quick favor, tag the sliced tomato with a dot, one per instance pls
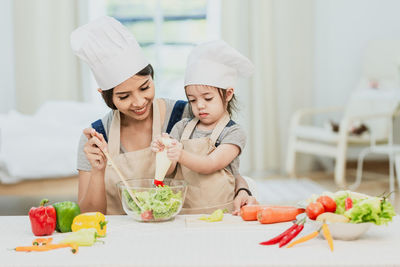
(147, 215)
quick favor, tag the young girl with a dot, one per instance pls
(210, 143)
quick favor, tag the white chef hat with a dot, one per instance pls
(110, 50)
(217, 64)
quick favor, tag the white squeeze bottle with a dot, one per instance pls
(162, 163)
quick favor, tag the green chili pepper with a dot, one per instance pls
(66, 212)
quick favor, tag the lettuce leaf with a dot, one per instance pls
(162, 201)
(372, 209)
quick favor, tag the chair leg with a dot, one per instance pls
(391, 176)
(291, 158)
(397, 164)
(340, 167)
(360, 162)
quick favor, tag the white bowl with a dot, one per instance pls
(342, 231)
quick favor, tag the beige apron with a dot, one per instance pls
(133, 165)
(205, 193)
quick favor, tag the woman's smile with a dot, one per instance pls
(140, 111)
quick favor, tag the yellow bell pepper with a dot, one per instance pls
(95, 220)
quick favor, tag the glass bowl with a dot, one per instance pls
(153, 204)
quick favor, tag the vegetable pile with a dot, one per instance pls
(156, 203)
(356, 207)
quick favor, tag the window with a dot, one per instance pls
(167, 30)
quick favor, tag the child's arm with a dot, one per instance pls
(221, 157)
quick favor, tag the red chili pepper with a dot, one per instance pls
(279, 237)
(43, 219)
(287, 238)
(348, 203)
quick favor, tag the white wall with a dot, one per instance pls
(7, 76)
(342, 31)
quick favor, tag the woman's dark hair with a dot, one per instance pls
(108, 94)
(231, 105)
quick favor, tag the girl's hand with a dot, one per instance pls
(94, 148)
(242, 199)
(174, 151)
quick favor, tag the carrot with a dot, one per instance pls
(278, 214)
(303, 239)
(327, 235)
(47, 247)
(249, 212)
(42, 248)
(42, 241)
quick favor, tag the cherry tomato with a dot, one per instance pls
(147, 215)
(328, 203)
(314, 209)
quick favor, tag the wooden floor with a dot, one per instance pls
(19, 198)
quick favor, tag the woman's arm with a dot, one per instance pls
(91, 191)
(242, 197)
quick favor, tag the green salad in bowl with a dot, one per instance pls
(152, 203)
(348, 214)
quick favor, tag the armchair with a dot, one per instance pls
(372, 107)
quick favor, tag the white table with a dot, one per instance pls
(184, 242)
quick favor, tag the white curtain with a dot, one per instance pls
(45, 67)
(277, 35)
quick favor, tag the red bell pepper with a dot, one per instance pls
(43, 219)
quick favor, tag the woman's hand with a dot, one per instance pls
(174, 150)
(94, 148)
(242, 199)
(157, 145)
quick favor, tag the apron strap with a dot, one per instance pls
(114, 135)
(215, 133)
(156, 120)
(189, 129)
(219, 128)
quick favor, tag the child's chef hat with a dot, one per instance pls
(215, 63)
(110, 49)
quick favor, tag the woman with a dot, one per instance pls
(126, 83)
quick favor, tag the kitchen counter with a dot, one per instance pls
(187, 241)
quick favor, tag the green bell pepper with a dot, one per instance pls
(66, 212)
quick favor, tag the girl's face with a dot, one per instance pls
(134, 97)
(206, 102)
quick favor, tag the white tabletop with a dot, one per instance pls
(188, 241)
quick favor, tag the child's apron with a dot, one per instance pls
(206, 192)
(138, 164)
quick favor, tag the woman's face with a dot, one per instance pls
(134, 97)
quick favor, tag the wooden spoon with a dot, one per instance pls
(122, 179)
